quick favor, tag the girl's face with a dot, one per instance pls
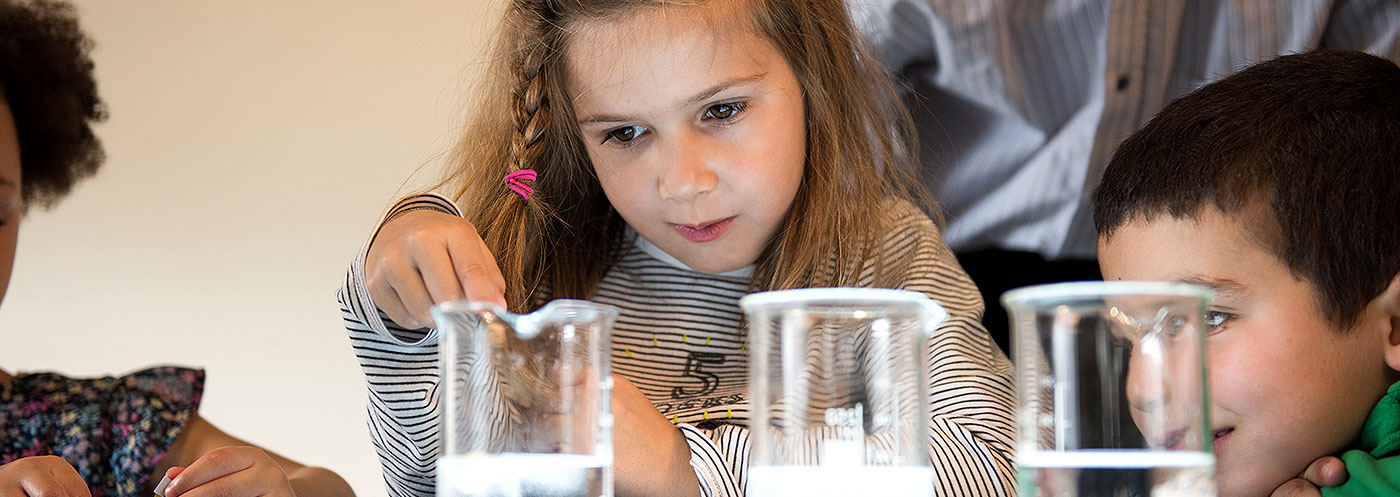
(695, 128)
(10, 209)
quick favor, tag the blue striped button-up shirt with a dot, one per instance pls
(1020, 103)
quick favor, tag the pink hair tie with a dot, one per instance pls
(513, 182)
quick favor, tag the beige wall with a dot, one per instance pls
(251, 146)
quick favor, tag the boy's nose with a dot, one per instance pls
(1148, 391)
(1147, 396)
(1157, 406)
(687, 173)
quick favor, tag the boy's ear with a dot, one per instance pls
(1389, 302)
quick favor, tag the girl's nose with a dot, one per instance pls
(687, 172)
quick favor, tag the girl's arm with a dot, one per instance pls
(208, 454)
(401, 371)
(651, 456)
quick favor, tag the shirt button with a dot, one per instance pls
(1123, 81)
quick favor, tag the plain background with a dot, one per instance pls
(251, 147)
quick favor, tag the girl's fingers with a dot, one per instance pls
(388, 301)
(243, 483)
(411, 294)
(481, 279)
(439, 277)
(211, 466)
(424, 258)
(54, 487)
(388, 283)
(49, 475)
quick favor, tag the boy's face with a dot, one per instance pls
(1287, 386)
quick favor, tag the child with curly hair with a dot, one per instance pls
(62, 436)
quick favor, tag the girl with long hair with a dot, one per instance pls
(668, 157)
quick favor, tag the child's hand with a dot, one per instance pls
(230, 472)
(421, 258)
(41, 476)
(1326, 471)
(650, 455)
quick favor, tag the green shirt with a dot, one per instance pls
(1372, 466)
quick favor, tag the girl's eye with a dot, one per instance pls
(1216, 319)
(724, 111)
(10, 207)
(624, 134)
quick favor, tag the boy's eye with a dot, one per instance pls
(1172, 325)
(724, 111)
(624, 134)
(1176, 323)
(1215, 319)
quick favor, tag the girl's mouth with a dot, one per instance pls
(704, 232)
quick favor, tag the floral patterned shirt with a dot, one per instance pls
(112, 430)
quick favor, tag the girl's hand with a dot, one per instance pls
(41, 476)
(215, 462)
(420, 258)
(230, 472)
(1326, 471)
(650, 455)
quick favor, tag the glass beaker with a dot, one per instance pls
(525, 400)
(839, 392)
(1112, 392)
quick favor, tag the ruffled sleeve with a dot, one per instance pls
(113, 430)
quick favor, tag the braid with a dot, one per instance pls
(561, 241)
(514, 222)
(530, 105)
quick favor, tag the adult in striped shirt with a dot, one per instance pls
(1020, 103)
(667, 159)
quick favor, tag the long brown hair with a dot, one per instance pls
(860, 153)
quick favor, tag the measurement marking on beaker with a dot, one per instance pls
(848, 416)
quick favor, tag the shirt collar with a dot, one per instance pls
(651, 249)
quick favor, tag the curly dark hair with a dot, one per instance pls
(46, 79)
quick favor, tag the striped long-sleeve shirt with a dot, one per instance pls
(679, 339)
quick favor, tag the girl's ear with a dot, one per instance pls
(1389, 306)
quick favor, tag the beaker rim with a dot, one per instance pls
(556, 305)
(842, 295)
(1052, 293)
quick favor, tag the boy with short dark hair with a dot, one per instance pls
(1277, 187)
